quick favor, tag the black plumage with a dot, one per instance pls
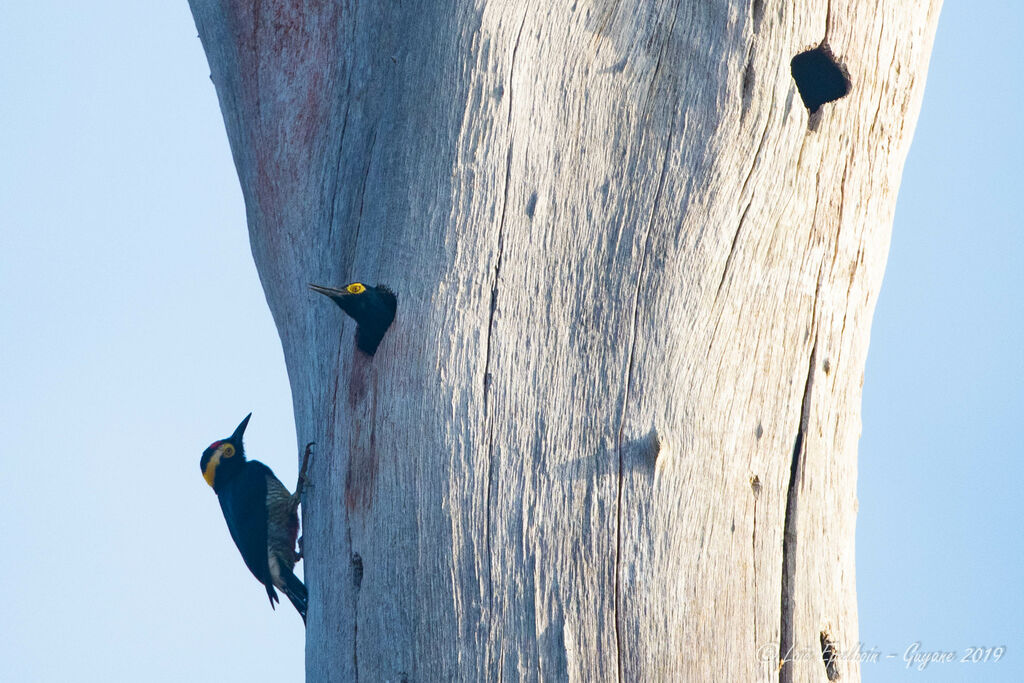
(262, 516)
(373, 309)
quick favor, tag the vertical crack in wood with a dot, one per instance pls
(355, 610)
(829, 657)
(625, 399)
(732, 248)
(341, 146)
(789, 540)
(757, 14)
(853, 270)
(760, 147)
(488, 422)
(743, 191)
(755, 486)
(256, 12)
(337, 170)
(362, 191)
(747, 83)
(841, 212)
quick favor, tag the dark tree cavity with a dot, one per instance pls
(819, 77)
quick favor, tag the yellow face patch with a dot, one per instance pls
(211, 468)
(210, 472)
(356, 288)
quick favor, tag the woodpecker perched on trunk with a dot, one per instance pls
(261, 515)
(373, 309)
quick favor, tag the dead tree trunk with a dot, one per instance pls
(613, 430)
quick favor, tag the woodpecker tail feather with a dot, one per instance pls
(294, 589)
(272, 594)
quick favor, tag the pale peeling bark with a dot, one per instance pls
(613, 430)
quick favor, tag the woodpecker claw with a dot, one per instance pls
(303, 481)
(300, 486)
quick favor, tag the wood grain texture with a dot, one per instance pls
(612, 432)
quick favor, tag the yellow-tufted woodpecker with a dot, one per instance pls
(261, 515)
(373, 309)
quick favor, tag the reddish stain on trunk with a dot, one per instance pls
(361, 481)
(362, 478)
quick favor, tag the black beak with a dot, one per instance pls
(331, 292)
(240, 429)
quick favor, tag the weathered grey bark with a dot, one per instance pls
(613, 429)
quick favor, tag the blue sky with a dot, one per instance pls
(939, 549)
(135, 332)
